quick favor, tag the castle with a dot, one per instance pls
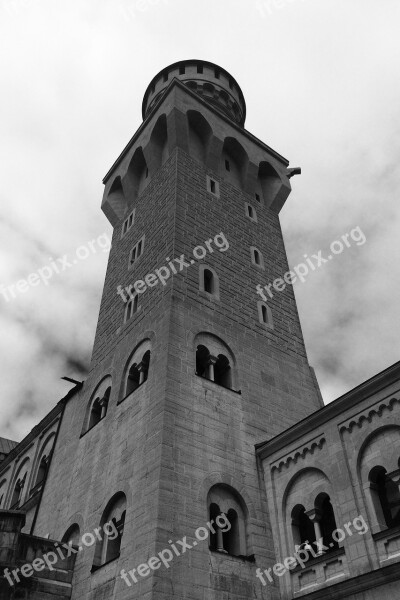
(197, 461)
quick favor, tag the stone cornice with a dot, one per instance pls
(366, 416)
(333, 410)
(301, 452)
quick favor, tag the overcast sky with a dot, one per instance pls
(321, 83)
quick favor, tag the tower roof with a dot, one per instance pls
(213, 83)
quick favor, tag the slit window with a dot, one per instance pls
(200, 69)
(131, 307)
(265, 315)
(209, 282)
(136, 252)
(128, 223)
(258, 197)
(256, 257)
(181, 70)
(250, 212)
(165, 77)
(227, 165)
(216, 73)
(213, 186)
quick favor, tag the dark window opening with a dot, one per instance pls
(227, 165)
(95, 413)
(200, 68)
(257, 258)
(165, 77)
(258, 198)
(133, 379)
(181, 70)
(328, 524)
(208, 281)
(147, 172)
(250, 211)
(303, 527)
(114, 545)
(212, 186)
(222, 372)
(389, 498)
(202, 361)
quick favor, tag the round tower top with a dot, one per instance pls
(211, 82)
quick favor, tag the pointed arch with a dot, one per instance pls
(200, 134)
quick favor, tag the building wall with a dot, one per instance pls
(336, 456)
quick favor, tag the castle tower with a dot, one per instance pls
(190, 367)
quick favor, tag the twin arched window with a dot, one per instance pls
(228, 513)
(99, 408)
(316, 524)
(137, 373)
(112, 526)
(214, 368)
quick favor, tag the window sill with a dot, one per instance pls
(92, 427)
(131, 393)
(208, 296)
(320, 559)
(388, 532)
(250, 558)
(98, 567)
(219, 385)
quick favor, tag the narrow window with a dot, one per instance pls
(265, 315)
(213, 186)
(181, 70)
(328, 523)
(165, 77)
(136, 252)
(208, 281)
(250, 212)
(230, 83)
(41, 474)
(200, 68)
(302, 527)
(385, 496)
(128, 222)
(256, 257)
(258, 198)
(216, 73)
(227, 165)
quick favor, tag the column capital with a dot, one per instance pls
(314, 515)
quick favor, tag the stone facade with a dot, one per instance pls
(189, 377)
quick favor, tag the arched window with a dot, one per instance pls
(137, 370)
(265, 314)
(256, 257)
(217, 369)
(95, 413)
(228, 514)
(302, 527)
(209, 281)
(17, 493)
(327, 522)
(98, 404)
(112, 524)
(215, 361)
(42, 471)
(385, 496)
(72, 534)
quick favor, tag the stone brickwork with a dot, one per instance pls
(335, 451)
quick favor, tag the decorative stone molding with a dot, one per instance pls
(301, 452)
(366, 416)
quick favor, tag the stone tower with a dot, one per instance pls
(190, 368)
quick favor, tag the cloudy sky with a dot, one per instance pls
(321, 82)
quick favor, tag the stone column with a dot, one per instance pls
(315, 516)
(211, 362)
